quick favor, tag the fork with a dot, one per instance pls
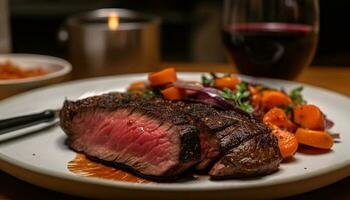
(19, 122)
(15, 123)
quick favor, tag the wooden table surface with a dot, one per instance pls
(333, 78)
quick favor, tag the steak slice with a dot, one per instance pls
(248, 148)
(207, 120)
(154, 140)
(234, 136)
(254, 157)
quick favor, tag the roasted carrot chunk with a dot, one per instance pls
(256, 96)
(309, 116)
(318, 139)
(173, 93)
(253, 90)
(163, 77)
(226, 82)
(271, 99)
(287, 142)
(137, 86)
(278, 117)
(256, 100)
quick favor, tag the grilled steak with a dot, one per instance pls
(247, 147)
(241, 144)
(152, 139)
(253, 157)
(157, 137)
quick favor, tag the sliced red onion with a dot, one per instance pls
(210, 96)
(328, 123)
(207, 95)
(211, 91)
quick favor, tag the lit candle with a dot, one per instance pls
(113, 21)
(111, 41)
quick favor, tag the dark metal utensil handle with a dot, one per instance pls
(12, 124)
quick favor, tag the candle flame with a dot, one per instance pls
(113, 21)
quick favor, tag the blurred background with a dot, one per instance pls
(189, 31)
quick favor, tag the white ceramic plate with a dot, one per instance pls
(41, 158)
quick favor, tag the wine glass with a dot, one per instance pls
(270, 38)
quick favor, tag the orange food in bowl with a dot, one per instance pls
(10, 71)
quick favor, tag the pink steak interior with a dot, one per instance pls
(130, 138)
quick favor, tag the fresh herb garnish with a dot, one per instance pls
(131, 91)
(246, 106)
(242, 87)
(296, 96)
(208, 82)
(239, 96)
(288, 109)
(152, 93)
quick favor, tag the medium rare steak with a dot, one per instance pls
(157, 137)
(152, 139)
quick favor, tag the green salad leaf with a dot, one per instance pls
(206, 81)
(152, 93)
(239, 97)
(296, 96)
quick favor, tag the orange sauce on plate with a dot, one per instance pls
(82, 166)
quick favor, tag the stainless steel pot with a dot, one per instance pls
(96, 49)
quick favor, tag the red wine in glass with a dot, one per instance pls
(276, 50)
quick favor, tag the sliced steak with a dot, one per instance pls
(157, 137)
(254, 157)
(226, 134)
(246, 147)
(209, 121)
(153, 139)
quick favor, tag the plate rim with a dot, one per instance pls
(168, 187)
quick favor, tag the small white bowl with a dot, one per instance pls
(57, 68)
